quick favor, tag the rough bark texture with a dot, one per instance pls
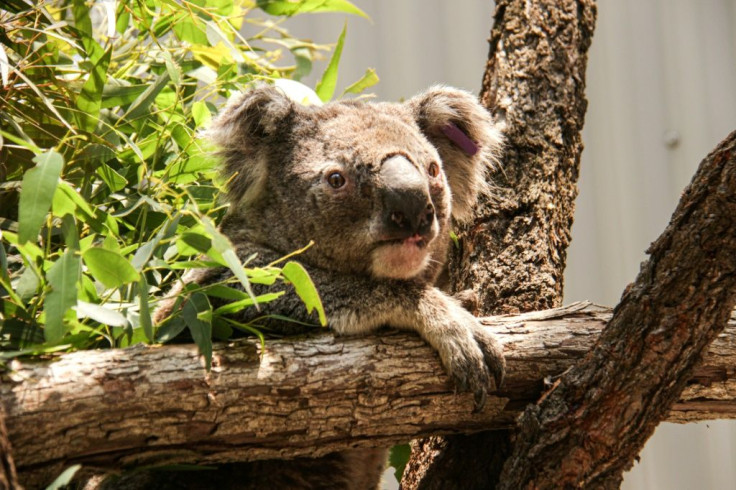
(513, 254)
(591, 426)
(156, 405)
(8, 477)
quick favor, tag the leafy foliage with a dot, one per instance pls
(106, 194)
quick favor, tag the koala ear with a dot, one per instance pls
(246, 132)
(466, 138)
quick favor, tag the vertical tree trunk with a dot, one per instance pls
(590, 427)
(513, 254)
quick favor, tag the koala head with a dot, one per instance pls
(373, 185)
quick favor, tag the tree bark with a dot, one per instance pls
(513, 254)
(156, 405)
(8, 477)
(588, 430)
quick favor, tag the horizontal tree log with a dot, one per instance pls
(297, 397)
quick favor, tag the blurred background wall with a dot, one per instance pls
(662, 92)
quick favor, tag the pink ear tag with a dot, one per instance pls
(461, 139)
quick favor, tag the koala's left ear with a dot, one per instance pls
(466, 138)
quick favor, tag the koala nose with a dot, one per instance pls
(408, 210)
(408, 217)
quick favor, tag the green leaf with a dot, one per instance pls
(121, 95)
(304, 287)
(108, 267)
(62, 278)
(143, 102)
(368, 80)
(89, 100)
(398, 458)
(294, 7)
(201, 114)
(326, 86)
(83, 26)
(37, 193)
(27, 284)
(114, 180)
(236, 306)
(187, 28)
(192, 243)
(62, 481)
(224, 292)
(69, 231)
(144, 309)
(197, 314)
(101, 314)
(303, 58)
(222, 245)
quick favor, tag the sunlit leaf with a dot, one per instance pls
(222, 245)
(100, 313)
(121, 95)
(4, 66)
(37, 193)
(189, 29)
(143, 102)
(368, 80)
(64, 479)
(293, 7)
(236, 306)
(62, 277)
(298, 276)
(113, 179)
(326, 86)
(90, 98)
(201, 114)
(108, 267)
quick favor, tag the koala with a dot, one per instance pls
(376, 188)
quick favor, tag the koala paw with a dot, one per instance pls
(472, 357)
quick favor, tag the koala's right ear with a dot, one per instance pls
(247, 133)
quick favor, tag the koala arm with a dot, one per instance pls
(470, 354)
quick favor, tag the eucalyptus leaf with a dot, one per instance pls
(37, 193)
(197, 314)
(298, 276)
(65, 478)
(294, 7)
(62, 278)
(222, 245)
(109, 267)
(142, 103)
(89, 101)
(368, 80)
(326, 85)
(100, 313)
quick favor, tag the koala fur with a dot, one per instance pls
(375, 186)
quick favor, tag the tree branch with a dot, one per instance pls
(156, 405)
(589, 429)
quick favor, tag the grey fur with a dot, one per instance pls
(380, 239)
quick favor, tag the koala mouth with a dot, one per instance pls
(415, 240)
(401, 258)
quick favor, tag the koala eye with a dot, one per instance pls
(433, 169)
(336, 180)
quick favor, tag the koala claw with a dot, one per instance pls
(475, 362)
(493, 355)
